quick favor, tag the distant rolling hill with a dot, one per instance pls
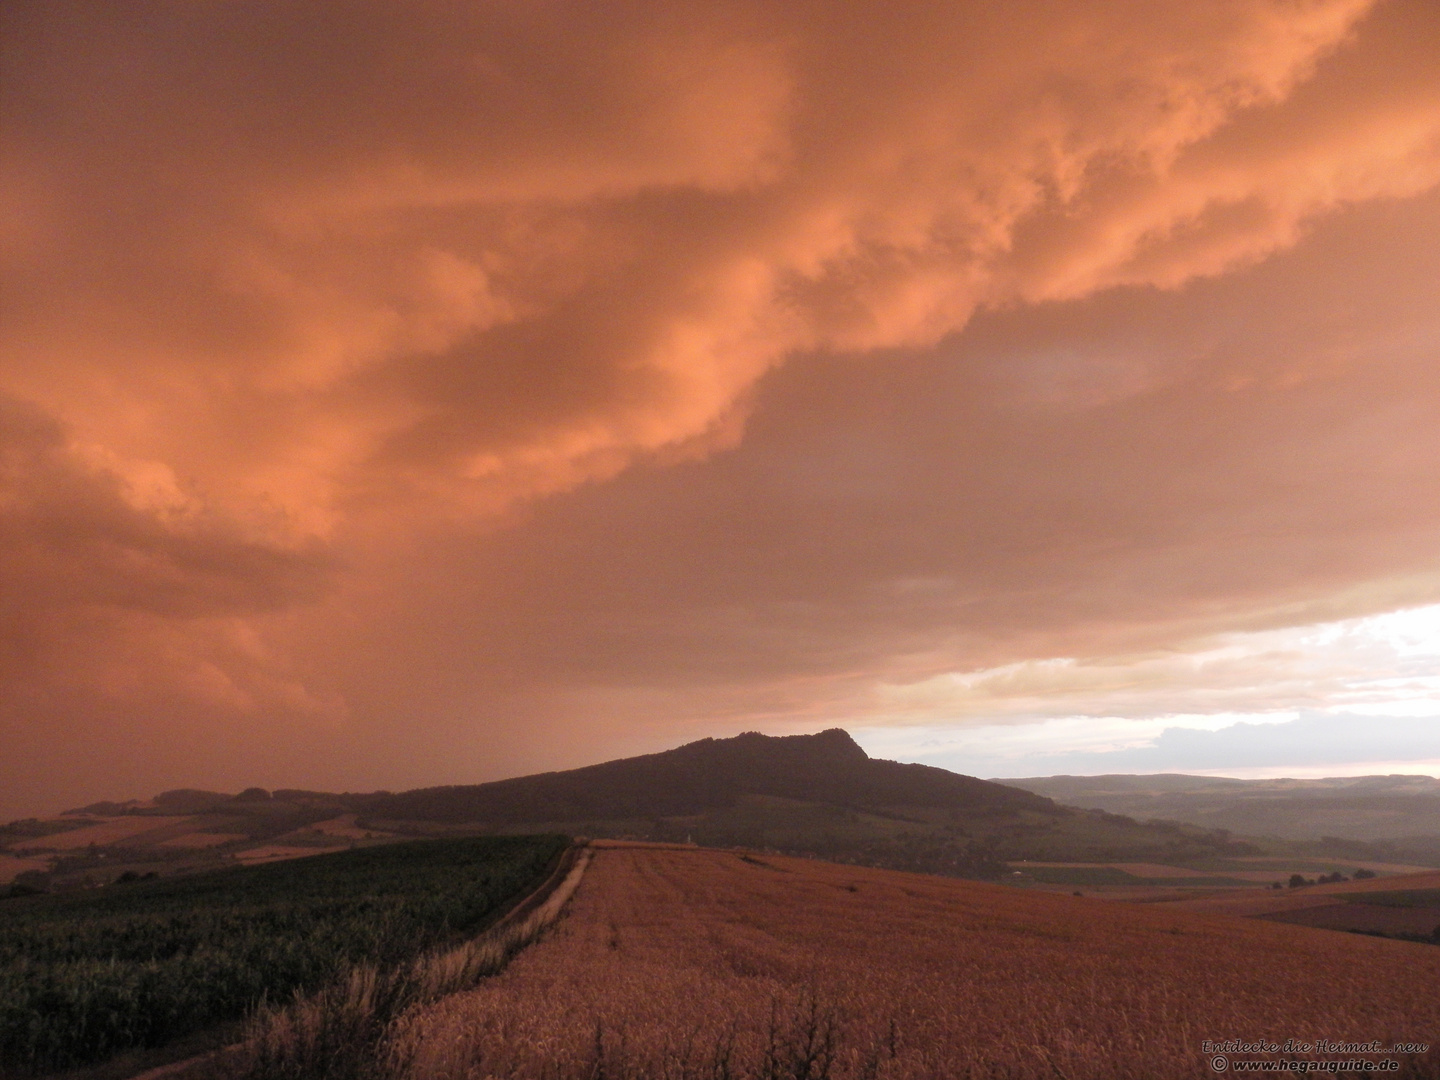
(814, 794)
(819, 795)
(1399, 814)
(709, 775)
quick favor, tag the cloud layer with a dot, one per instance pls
(543, 382)
(1307, 746)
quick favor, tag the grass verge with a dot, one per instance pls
(342, 1032)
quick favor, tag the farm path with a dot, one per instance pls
(673, 960)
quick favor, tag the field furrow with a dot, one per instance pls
(691, 963)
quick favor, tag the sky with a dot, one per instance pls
(395, 395)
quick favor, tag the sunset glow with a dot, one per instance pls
(395, 395)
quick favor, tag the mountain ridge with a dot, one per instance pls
(819, 795)
(707, 774)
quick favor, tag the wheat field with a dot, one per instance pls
(690, 964)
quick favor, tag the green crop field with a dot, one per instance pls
(1401, 898)
(85, 975)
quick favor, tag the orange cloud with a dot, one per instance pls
(295, 294)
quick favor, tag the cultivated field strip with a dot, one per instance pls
(88, 975)
(713, 964)
(342, 1032)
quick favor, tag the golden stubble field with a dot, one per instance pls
(675, 963)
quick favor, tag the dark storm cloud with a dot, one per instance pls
(529, 379)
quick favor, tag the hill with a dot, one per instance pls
(809, 794)
(818, 795)
(1395, 817)
(708, 775)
